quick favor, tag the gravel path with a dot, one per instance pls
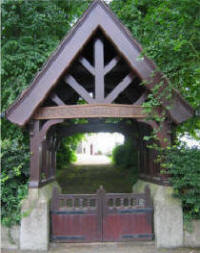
(130, 247)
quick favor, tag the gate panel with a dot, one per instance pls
(76, 218)
(101, 217)
(127, 217)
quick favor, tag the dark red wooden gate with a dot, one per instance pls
(101, 217)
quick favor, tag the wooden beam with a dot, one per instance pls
(111, 65)
(120, 87)
(87, 65)
(56, 99)
(78, 88)
(141, 99)
(90, 111)
(99, 70)
(77, 69)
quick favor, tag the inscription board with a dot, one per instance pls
(90, 111)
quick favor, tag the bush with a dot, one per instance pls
(30, 32)
(14, 178)
(126, 157)
(184, 167)
(67, 151)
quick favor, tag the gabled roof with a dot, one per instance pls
(97, 16)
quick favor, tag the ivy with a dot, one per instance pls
(169, 32)
(31, 31)
(183, 167)
(14, 177)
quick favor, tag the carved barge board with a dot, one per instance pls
(90, 111)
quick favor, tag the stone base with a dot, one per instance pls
(10, 237)
(168, 215)
(35, 229)
(192, 238)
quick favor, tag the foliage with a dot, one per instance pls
(125, 157)
(31, 30)
(169, 32)
(183, 164)
(66, 153)
(15, 164)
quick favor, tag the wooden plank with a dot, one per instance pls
(90, 111)
(79, 89)
(99, 70)
(120, 87)
(111, 65)
(87, 65)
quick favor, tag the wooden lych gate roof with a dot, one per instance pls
(96, 25)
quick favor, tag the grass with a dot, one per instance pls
(87, 179)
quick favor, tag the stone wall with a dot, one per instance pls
(192, 235)
(10, 237)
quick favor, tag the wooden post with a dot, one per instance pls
(35, 154)
(148, 202)
(55, 200)
(99, 70)
(101, 205)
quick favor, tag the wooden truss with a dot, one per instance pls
(99, 71)
(96, 63)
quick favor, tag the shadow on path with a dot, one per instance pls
(88, 178)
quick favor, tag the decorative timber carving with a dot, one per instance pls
(90, 111)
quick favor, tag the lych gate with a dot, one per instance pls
(95, 73)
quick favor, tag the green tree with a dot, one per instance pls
(169, 32)
(31, 30)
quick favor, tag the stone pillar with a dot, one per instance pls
(35, 223)
(168, 219)
(168, 215)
